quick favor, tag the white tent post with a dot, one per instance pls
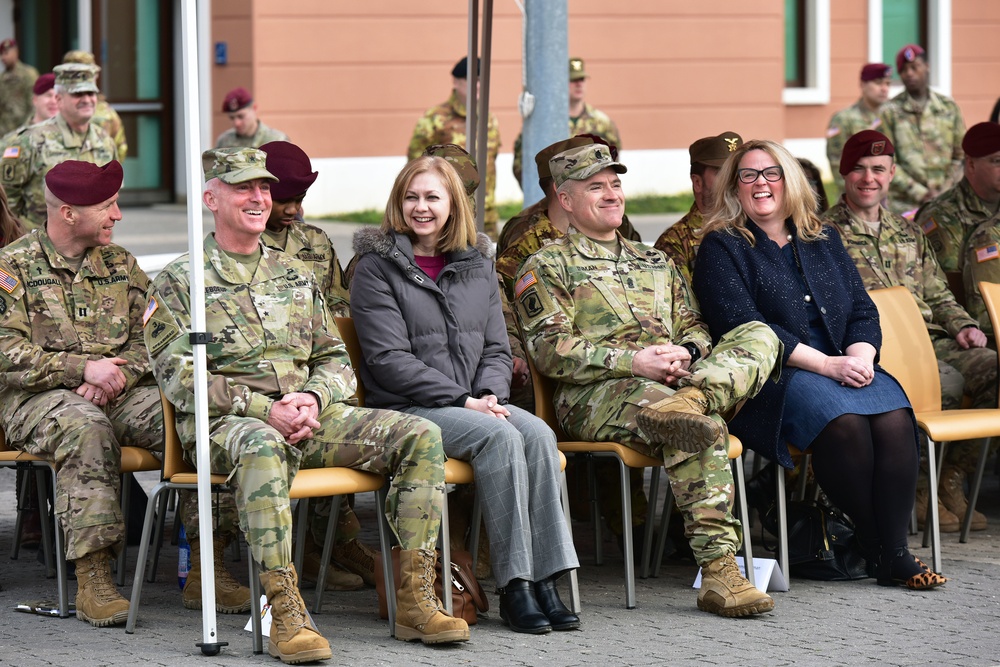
(483, 120)
(210, 644)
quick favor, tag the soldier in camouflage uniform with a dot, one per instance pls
(681, 240)
(888, 251)
(16, 81)
(104, 113)
(445, 124)
(862, 115)
(583, 118)
(68, 136)
(76, 382)
(926, 128)
(248, 129)
(44, 104)
(612, 322)
(280, 388)
(948, 220)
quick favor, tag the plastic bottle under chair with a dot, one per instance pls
(183, 558)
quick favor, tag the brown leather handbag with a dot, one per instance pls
(467, 595)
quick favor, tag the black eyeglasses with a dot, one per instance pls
(748, 175)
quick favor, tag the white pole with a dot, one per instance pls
(210, 644)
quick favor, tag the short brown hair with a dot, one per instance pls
(460, 229)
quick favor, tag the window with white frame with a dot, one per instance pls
(807, 52)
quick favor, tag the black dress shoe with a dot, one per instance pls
(520, 611)
(559, 616)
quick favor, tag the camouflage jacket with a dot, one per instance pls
(311, 246)
(982, 264)
(54, 319)
(948, 220)
(585, 313)
(844, 124)
(39, 148)
(445, 124)
(108, 118)
(272, 336)
(928, 142)
(591, 121)
(681, 240)
(15, 95)
(900, 255)
(263, 135)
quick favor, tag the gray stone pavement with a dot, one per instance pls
(815, 623)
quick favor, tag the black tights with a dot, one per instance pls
(867, 465)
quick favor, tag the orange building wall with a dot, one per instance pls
(976, 55)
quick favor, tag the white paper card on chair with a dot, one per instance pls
(265, 618)
(767, 575)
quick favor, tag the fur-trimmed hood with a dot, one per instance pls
(373, 239)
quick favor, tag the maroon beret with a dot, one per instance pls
(875, 71)
(236, 99)
(982, 139)
(908, 54)
(292, 167)
(7, 43)
(864, 144)
(44, 83)
(84, 183)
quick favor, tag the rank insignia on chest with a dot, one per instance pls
(986, 253)
(82, 312)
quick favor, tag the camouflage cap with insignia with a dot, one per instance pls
(235, 165)
(713, 151)
(543, 156)
(460, 159)
(579, 164)
(577, 70)
(77, 77)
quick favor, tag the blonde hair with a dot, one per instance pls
(459, 230)
(798, 202)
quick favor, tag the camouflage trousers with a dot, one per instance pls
(702, 483)
(261, 467)
(971, 373)
(84, 441)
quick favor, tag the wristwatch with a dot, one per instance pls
(693, 349)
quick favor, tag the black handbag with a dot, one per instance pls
(821, 542)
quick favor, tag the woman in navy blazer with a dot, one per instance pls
(767, 257)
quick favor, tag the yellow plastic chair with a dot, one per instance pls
(907, 353)
(991, 298)
(627, 458)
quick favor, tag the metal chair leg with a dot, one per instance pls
(331, 534)
(574, 584)
(140, 564)
(661, 544)
(595, 511)
(627, 535)
(932, 528)
(744, 514)
(256, 614)
(782, 525)
(647, 544)
(984, 453)
(445, 539)
(386, 546)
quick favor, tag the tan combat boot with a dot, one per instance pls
(679, 421)
(726, 592)
(419, 614)
(230, 596)
(947, 521)
(337, 579)
(951, 493)
(293, 638)
(97, 599)
(357, 557)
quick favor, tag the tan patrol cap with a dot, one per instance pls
(77, 77)
(713, 151)
(582, 162)
(235, 165)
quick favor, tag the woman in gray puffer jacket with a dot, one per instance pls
(426, 306)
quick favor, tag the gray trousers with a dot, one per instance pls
(516, 464)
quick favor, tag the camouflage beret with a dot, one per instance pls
(714, 151)
(235, 165)
(460, 159)
(982, 139)
(577, 70)
(866, 143)
(44, 84)
(77, 56)
(84, 183)
(579, 164)
(291, 166)
(550, 151)
(236, 99)
(77, 77)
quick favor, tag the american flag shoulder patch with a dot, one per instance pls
(8, 282)
(929, 226)
(12, 151)
(150, 309)
(526, 281)
(987, 252)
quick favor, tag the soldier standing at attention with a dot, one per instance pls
(862, 115)
(248, 129)
(583, 118)
(279, 386)
(888, 251)
(445, 124)
(680, 242)
(948, 220)
(927, 129)
(69, 135)
(612, 322)
(76, 381)
(16, 81)
(104, 113)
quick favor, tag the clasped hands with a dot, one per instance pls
(295, 416)
(665, 363)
